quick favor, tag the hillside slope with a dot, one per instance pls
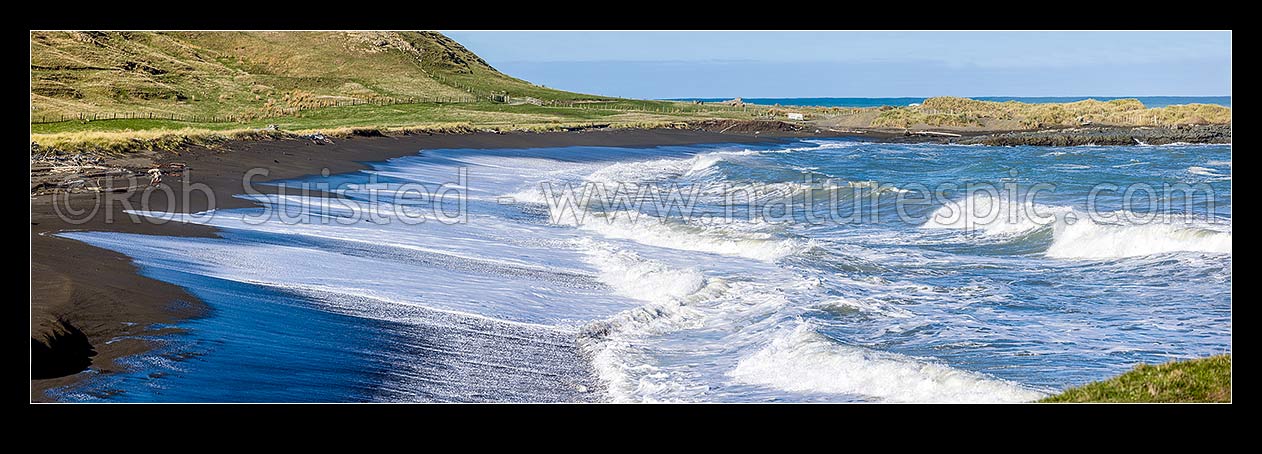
(253, 73)
(127, 91)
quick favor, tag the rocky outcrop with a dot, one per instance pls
(1108, 136)
(62, 350)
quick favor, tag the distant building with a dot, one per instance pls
(796, 116)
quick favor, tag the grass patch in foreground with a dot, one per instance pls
(1197, 380)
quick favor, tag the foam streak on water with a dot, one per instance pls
(515, 305)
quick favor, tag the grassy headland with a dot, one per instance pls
(254, 73)
(125, 91)
(964, 113)
(1198, 380)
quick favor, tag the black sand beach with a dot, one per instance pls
(99, 291)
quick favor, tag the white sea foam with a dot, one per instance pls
(872, 307)
(1196, 170)
(1071, 167)
(720, 239)
(834, 185)
(529, 194)
(703, 162)
(615, 349)
(658, 321)
(993, 215)
(624, 349)
(801, 360)
(640, 171)
(831, 189)
(628, 175)
(1081, 238)
(1085, 239)
(818, 145)
(201, 218)
(614, 344)
(633, 172)
(641, 279)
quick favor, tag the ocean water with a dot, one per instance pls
(829, 270)
(1149, 101)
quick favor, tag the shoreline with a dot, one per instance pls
(103, 293)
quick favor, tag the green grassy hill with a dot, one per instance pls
(128, 91)
(1198, 380)
(254, 73)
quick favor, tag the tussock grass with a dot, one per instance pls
(115, 142)
(1192, 114)
(129, 140)
(964, 112)
(1198, 380)
(245, 81)
(254, 74)
(113, 136)
(906, 117)
(362, 131)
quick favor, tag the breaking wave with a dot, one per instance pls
(993, 215)
(802, 360)
(1086, 239)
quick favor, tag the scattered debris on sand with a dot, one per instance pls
(745, 126)
(55, 171)
(318, 139)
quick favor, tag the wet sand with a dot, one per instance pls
(101, 292)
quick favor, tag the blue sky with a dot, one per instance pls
(863, 64)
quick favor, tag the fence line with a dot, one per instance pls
(474, 95)
(385, 101)
(681, 108)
